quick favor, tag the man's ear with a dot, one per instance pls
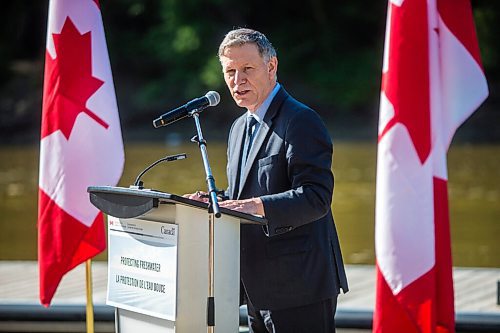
(272, 67)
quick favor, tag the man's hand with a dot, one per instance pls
(198, 196)
(250, 206)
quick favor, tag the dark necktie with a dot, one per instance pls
(251, 122)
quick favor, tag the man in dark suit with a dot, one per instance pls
(279, 166)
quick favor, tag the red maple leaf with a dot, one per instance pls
(68, 81)
(406, 84)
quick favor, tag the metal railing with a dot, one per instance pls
(71, 318)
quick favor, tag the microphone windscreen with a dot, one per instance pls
(213, 98)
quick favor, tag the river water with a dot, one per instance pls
(474, 191)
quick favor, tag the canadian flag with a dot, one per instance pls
(432, 82)
(81, 142)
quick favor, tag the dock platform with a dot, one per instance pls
(476, 290)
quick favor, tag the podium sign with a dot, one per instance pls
(142, 266)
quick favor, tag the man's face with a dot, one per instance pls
(249, 78)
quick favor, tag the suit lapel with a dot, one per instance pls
(239, 130)
(257, 143)
(261, 136)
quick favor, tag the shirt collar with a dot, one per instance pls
(261, 111)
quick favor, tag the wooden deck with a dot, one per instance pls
(475, 288)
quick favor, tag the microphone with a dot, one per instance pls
(138, 184)
(211, 98)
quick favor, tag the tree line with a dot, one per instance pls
(164, 52)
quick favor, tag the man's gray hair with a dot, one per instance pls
(239, 37)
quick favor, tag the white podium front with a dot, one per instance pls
(158, 276)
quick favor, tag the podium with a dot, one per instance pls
(158, 261)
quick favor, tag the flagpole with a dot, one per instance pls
(90, 304)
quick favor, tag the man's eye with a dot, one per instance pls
(248, 68)
(230, 72)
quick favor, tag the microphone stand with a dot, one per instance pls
(213, 211)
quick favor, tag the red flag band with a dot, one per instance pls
(81, 142)
(432, 81)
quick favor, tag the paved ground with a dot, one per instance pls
(475, 288)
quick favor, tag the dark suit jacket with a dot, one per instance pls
(296, 259)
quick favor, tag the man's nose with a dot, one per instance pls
(240, 77)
